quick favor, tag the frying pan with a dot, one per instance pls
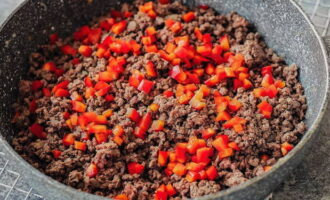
(282, 23)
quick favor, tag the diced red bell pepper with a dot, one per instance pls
(151, 49)
(286, 148)
(62, 93)
(162, 158)
(170, 190)
(206, 90)
(197, 101)
(68, 139)
(121, 197)
(90, 92)
(146, 86)
(208, 133)
(135, 168)
(234, 105)
(234, 146)
(202, 175)
(178, 74)
(143, 125)
(107, 113)
(237, 84)
(194, 143)
(92, 170)
(38, 131)
(151, 30)
(119, 27)
(101, 85)
(82, 33)
(168, 93)
(161, 193)
(180, 169)
(85, 50)
(33, 106)
(88, 82)
(74, 119)
(133, 115)
(36, 85)
(49, 66)
(247, 84)
(214, 80)
(221, 142)
(170, 47)
(135, 79)
(46, 92)
(108, 76)
(118, 130)
(63, 85)
(164, 1)
(158, 125)
(66, 115)
(266, 109)
(226, 153)
(267, 70)
(56, 153)
(68, 50)
(212, 173)
(150, 69)
(234, 121)
(101, 119)
(195, 167)
(224, 43)
(118, 140)
(198, 34)
(203, 154)
(180, 152)
(77, 97)
(148, 40)
(279, 84)
(101, 137)
(191, 87)
(267, 80)
(172, 157)
(80, 145)
(210, 69)
(192, 176)
(205, 50)
(188, 17)
(78, 106)
(204, 7)
(222, 116)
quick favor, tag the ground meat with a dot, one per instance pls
(259, 142)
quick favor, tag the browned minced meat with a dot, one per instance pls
(261, 136)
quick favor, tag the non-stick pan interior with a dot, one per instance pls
(279, 21)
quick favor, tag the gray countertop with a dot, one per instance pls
(310, 181)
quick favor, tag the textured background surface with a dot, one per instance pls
(310, 181)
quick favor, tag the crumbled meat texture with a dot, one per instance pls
(261, 136)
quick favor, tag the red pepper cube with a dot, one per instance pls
(53, 38)
(145, 122)
(179, 169)
(178, 74)
(135, 168)
(192, 176)
(194, 143)
(101, 137)
(33, 106)
(78, 106)
(118, 130)
(168, 93)
(158, 125)
(234, 105)
(202, 175)
(108, 76)
(161, 193)
(170, 190)
(121, 197)
(221, 142)
(203, 154)
(135, 79)
(92, 170)
(208, 133)
(150, 69)
(85, 50)
(234, 146)
(146, 86)
(212, 173)
(162, 158)
(38, 131)
(267, 70)
(36, 85)
(68, 139)
(224, 153)
(267, 80)
(224, 43)
(68, 50)
(188, 17)
(56, 153)
(80, 145)
(180, 152)
(101, 119)
(286, 148)
(49, 66)
(63, 85)
(195, 167)
(151, 49)
(61, 93)
(265, 109)
(133, 115)
(119, 27)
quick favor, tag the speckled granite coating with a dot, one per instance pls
(285, 28)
